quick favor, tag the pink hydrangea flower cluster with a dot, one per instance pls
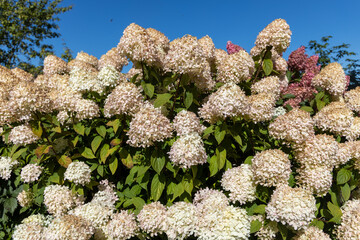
(300, 61)
(232, 48)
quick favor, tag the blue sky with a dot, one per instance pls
(95, 26)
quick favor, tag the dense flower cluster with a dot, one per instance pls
(232, 48)
(148, 126)
(152, 218)
(293, 206)
(350, 220)
(186, 122)
(240, 182)
(6, 166)
(316, 179)
(121, 226)
(25, 198)
(228, 101)
(22, 135)
(30, 173)
(271, 168)
(188, 150)
(293, 127)
(78, 172)
(277, 34)
(312, 233)
(59, 199)
(352, 99)
(125, 98)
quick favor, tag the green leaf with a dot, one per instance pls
(213, 165)
(343, 176)
(148, 89)
(187, 181)
(283, 231)
(188, 99)
(115, 142)
(75, 141)
(19, 153)
(335, 212)
(255, 226)
(307, 109)
(79, 128)
(219, 135)
(41, 150)
(248, 160)
(104, 152)
(267, 66)
(101, 130)
(157, 162)
(320, 104)
(260, 209)
(287, 96)
(317, 223)
(114, 124)
(208, 130)
(345, 192)
(100, 170)
(10, 204)
(96, 143)
(37, 129)
(157, 186)
(87, 153)
(113, 165)
(161, 99)
(64, 161)
(221, 157)
(179, 190)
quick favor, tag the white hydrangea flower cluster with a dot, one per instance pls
(54, 65)
(316, 179)
(112, 58)
(22, 135)
(293, 206)
(186, 56)
(267, 231)
(349, 228)
(261, 107)
(78, 172)
(319, 150)
(208, 47)
(353, 132)
(22, 75)
(352, 99)
(106, 194)
(188, 150)
(126, 98)
(83, 79)
(235, 68)
(280, 64)
(148, 126)
(152, 218)
(25, 198)
(6, 166)
(332, 78)
(217, 219)
(240, 182)
(59, 199)
(30, 173)
(279, 111)
(270, 85)
(87, 58)
(228, 101)
(293, 127)
(231, 223)
(312, 233)
(68, 227)
(107, 77)
(186, 122)
(121, 226)
(271, 168)
(277, 34)
(138, 45)
(31, 227)
(28, 231)
(335, 117)
(181, 221)
(344, 153)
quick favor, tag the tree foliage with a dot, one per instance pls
(338, 53)
(24, 26)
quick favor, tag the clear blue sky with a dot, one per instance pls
(95, 26)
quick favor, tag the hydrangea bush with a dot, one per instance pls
(193, 142)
